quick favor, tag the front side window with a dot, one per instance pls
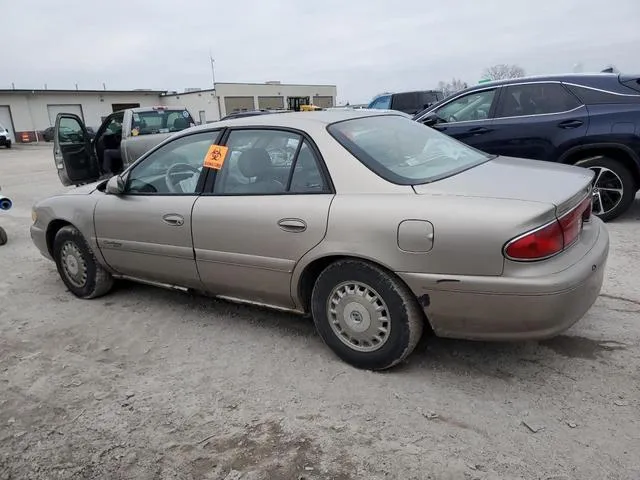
(115, 124)
(267, 162)
(383, 102)
(70, 131)
(403, 151)
(535, 99)
(473, 106)
(173, 169)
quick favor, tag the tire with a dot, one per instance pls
(365, 286)
(3, 236)
(82, 274)
(8, 145)
(617, 176)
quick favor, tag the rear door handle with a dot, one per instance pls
(292, 225)
(479, 130)
(173, 219)
(570, 124)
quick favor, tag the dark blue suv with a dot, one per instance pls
(590, 120)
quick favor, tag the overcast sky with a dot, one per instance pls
(362, 46)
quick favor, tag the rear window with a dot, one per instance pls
(160, 121)
(403, 151)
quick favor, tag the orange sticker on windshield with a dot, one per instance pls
(215, 156)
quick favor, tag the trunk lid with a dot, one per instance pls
(509, 178)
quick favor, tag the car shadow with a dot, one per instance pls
(502, 360)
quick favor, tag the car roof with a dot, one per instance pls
(156, 108)
(294, 119)
(565, 77)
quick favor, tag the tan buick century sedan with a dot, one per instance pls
(377, 226)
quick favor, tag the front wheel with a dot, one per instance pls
(613, 186)
(3, 236)
(368, 317)
(8, 145)
(77, 265)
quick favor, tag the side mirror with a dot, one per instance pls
(430, 120)
(115, 185)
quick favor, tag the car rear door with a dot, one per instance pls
(467, 117)
(73, 151)
(537, 120)
(269, 206)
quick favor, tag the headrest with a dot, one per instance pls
(254, 162)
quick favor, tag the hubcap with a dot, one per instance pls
(358, 316)
(73, 264)
(607, 190)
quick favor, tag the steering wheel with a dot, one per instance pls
(173, 169)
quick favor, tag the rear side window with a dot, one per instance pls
(590, 96)
(535, 99)
(403, 151)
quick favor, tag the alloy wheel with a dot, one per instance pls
(608, 190)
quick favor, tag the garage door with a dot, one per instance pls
(5, 120)
(54, 110)
(238, 104)
(271, 102)
(324, 102)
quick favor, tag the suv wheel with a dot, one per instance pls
(613, 186)
(368, 317)
(8, 144)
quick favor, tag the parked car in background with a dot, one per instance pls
(79, 156)
(407, 102)
(589, 120)
(372, 223)
(5, 137)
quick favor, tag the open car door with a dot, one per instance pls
(73, 151)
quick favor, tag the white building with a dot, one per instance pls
(28, 112)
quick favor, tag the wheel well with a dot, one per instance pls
(313, 270)
(614, 153)
(53, 228)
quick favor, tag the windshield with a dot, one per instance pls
(403, 151)
(160, 121)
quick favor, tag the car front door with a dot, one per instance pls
(537, 120)
(269, 206)
(468, 118)
(73, 152)
(145, 232)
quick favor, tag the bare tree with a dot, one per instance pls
(503, 71)
(449, 88)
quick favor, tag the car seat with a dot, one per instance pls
(255, 163)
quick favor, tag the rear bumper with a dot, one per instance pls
(513, 308)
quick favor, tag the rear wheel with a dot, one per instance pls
(8, 145)
(613, 186)
(3, 236)
(368, 317)
(77, 265)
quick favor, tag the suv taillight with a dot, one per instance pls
(550, 239)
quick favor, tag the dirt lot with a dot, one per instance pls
(150, 384)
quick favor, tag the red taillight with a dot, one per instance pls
(552, 238)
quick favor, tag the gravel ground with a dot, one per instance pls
(152, 384)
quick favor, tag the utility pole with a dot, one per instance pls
(213, 70)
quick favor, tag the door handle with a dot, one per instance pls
(173, 219)
(479, 130)
(570, 124)
(292, 225)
